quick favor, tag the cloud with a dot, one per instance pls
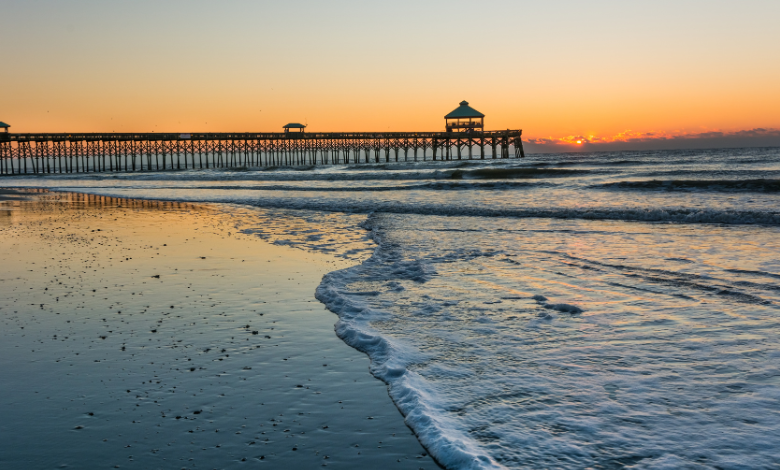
(657, 140)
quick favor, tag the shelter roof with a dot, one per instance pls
(294, 125)
(4, 125)
(464, 111)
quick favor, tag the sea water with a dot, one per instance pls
(594, 310)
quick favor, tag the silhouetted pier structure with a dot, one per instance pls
(113, 152)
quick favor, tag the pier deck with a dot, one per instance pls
(81, 153)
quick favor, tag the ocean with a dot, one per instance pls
(588, 310)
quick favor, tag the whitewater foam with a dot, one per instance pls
(584, 370)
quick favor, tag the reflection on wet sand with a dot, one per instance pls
(151, 334)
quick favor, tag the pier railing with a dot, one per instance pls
(79, 153)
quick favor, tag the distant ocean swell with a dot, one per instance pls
(671, 215)
(712, 174)
(753, 185)
(495, 171)
(429, 186)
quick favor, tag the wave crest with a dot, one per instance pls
(752, 185)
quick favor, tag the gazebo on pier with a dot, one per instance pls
(464, 118)
(294, 125)
(4, 126)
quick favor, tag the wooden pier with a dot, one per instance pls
(465, 138)
(81, 153)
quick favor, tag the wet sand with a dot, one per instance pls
(153, 335)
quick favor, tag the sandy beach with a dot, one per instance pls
(143, 334)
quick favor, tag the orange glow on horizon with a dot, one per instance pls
(630, 136)
(210, 68)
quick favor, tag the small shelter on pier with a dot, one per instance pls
(4, 126)
(294, 125)
(464, 118)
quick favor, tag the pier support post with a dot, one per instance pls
(519, 146)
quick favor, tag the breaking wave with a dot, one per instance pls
(752, 185)
(671, 215)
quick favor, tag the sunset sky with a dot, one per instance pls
(599, 72)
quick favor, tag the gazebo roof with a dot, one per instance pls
(464, 111)
(294, 125)
(4, 125)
